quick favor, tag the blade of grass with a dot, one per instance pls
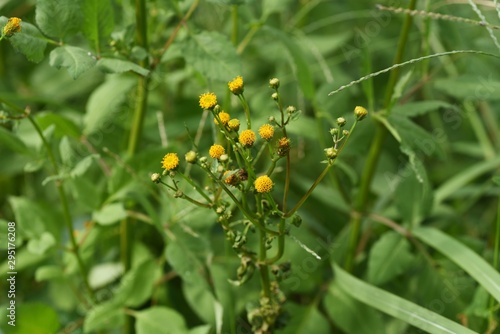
(396, 306)
(465, 258)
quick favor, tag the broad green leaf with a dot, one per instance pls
(465, 258)
(469, 87)
(109, 214)
(43, 319)
(41, 244)
(396, 306)
(24, 259)
(75, 59)
(12, 142)
(63, 126)
(159, 320)
(413, 198)
(137, 285)
(83, 165)
(110, 65)
(304, 319)
(272, 6)
(58, 18)
(479, 306)
(211, 54)
(203, 329)
(463, 178)
(98, 23)
(104, 273)
(107, 315)
(390, 256)
(86, 193)
(31, 219)
(301, 64)
(48, 272)
(66, 151)
(349, 314)
(29, 41)
(105, 102)
(420, 108)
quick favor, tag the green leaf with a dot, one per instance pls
(98, 23)
(29, 41)
(420, 108)
(397, 307)
(110, 65)
(465, 258)
(31, 219)
(470, 87)
(75, 59)
(211, 54)
(12, 142)
(304, 319)
(461, 179)
(390, 256)
(109, 214)
(159, 320)
(349, 314)
(105, 102)
(48, 272)
(43, 319)
(107, 315)
(272, 6)
(58, 18)
(203, 329)
(63, 126)
(41, 244)
(104, 273)
(24, 259)
(413, 198)
(301, 64)
(83, 165)
(137, 285)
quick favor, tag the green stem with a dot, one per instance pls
(234, 18)
(263, 268)
(495, 263)
(361, 201)
(196, 187)
(247, 110)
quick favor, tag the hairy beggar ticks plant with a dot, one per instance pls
(241, 194)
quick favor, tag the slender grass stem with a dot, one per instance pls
(495, 264)
(361, 201)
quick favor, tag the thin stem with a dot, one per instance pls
(248, 37)
(195, 186)
(263, 268)
(234, 19)
(247, 110)
(361, 201)
(495, 263)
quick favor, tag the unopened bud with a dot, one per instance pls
(341, 121)
(275, 96)
(331, 153)
(155, 177)
(360, 112)
(274, 83)
(191, 157)
(345, 132)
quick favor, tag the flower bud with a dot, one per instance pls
(290, 110)
(156, 177)
(275, 96)
(331, 153)
(334, 131)
(274, 83)
(345, 132)
(360, 113)
(341, 121)
(191, 157)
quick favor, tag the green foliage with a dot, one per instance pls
(391, 227)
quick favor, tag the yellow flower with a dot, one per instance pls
(170, 161)
(208, 100)
(13, 25)
(266, 131)
(247, 138)
(234, 124)
(283, 146)
(360, 112)
(263, 184)
(236, 86)
(224, 118)
(216, 151)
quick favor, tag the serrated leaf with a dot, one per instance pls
(137, 286)
(301, 64)
(98, 23)
(396, 306)
(41, 244)
(110, 65)
(109, 214)
(83, 165)
(153, 319)
(390, 256)
(29, 41)
(467, 87)
(212, 54)
(105, 101)
(48, 272)
(108, 315)
(75, 59)
(63, 126)
(58, 18)
(464, 257)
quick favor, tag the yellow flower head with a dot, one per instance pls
(216, 151)
(234, 124)
(208, 100)
(283, 146)
(263, 184)
(236, 86)
(266, 131)
(13, 25)
(224, 118)
(360, 112)
(247, 138)
(170, 161)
